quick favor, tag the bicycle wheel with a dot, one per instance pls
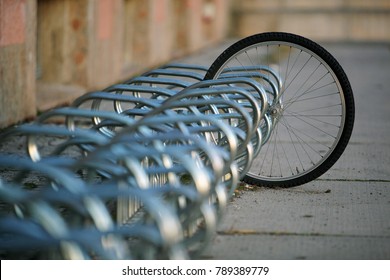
(310, 105)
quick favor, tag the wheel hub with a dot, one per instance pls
(276, 111)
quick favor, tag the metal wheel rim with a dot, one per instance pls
(340, 94)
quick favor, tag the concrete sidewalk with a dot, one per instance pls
(345, 214)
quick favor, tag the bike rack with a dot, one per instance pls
(152, 173)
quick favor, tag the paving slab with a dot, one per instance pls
(318, 208)
(319, 220)
(290, 247)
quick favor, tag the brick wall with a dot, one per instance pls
(52, 51)
(17, 60)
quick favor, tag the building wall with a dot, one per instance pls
(52, 51)
(330, 20)
(17, 60)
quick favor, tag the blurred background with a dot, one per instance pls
(52, 51)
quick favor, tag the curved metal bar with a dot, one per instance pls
(129, 87)
(186, 66)
(252, 68)
(232, 82)
(174, 73)
(152, 81)
(273, 89)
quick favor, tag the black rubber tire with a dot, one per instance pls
(346, 91)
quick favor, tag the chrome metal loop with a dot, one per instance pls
(157, 159)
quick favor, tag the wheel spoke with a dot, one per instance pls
(309, 98)
(311, 118)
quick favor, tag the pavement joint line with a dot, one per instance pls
(357, 180)
(246, 232)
